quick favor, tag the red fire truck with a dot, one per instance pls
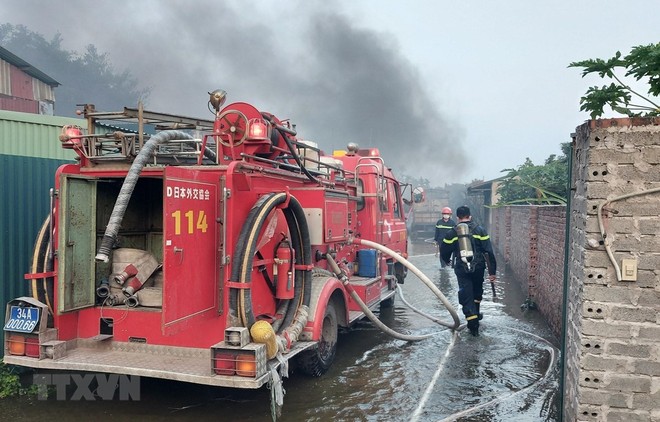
(207, 250)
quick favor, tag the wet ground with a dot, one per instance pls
(508, 373)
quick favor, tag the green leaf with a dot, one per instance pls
(642, 63)
(645, 62)
(596, 99)
(600, 66)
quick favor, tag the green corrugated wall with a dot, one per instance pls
(24, 202)
(34, 135)
(30, 153)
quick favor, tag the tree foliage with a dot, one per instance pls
(643, 63)
(537, 184)
(10, 384)
(86, 77)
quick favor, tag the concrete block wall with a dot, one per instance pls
(612, 335)
(573, 343)
(530, 239)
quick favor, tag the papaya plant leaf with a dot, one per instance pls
(642, 63)
(596, 99)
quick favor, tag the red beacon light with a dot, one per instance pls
(71, 137)
(258, 130)
(368, 152)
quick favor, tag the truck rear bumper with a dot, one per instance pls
(165, 362)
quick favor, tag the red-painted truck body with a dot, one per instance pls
(229, 226)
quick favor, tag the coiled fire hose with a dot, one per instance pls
(240, 300)
(42, 262)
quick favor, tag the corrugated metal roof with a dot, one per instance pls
(26, 67)
(127, 127)
(34, 135)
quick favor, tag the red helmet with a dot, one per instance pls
(446, 210)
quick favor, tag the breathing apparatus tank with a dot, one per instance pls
(465, 244)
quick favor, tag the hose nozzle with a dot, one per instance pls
(132, 301)
(104, 289)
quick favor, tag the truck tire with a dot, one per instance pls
(316, 362)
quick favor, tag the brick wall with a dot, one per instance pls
(530, 238)
(551, 235)
(612, 353)
(500, 232)
(519, 256)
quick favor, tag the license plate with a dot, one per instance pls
(22, 320)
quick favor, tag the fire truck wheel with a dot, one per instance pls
(317, 362)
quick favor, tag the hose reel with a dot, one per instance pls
(246, 248)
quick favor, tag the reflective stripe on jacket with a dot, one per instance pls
(441, 229)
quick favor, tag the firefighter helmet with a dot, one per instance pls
(446, 210)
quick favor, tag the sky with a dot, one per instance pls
(449, 91)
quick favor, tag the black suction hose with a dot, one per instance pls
(126, 191)
(296, 157)
(295, 217)
(282, 131)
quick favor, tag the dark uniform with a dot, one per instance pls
(470, 282)
(441, 229)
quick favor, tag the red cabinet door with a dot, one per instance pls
(190, 248)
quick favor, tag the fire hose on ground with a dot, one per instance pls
(456, 320)
(344, 279)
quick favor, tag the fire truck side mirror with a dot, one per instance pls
(419, 195)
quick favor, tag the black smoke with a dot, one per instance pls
(339, 82)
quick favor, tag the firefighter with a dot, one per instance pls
(441, 228)
(470, 244)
